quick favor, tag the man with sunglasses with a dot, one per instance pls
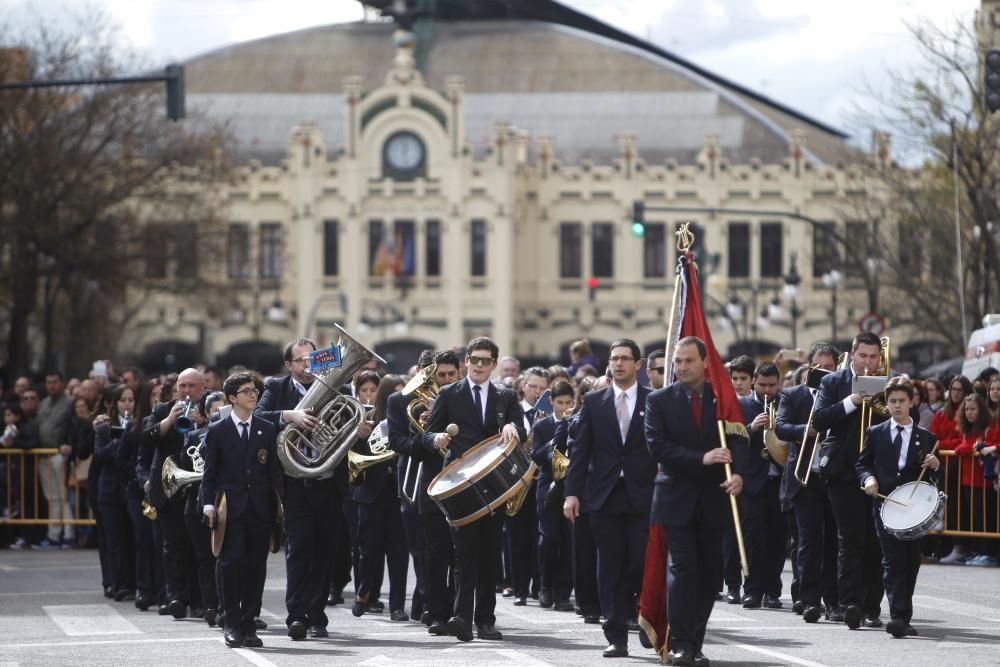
(480, 410)
(656, 368)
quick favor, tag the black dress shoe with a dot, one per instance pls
(358, 608)
(520, 601)
(852, 616)
(426, 618)
(751, 602)
(644, 639)
(399, 615)
(376, 607)
(811, 614)
(233, 638)
(910, 630)
(437, 628)
(632, 625)
(142, 602)
(563, 605)
(896, 627)
(164, 609)
(318, 632)
(459, 629)
(108, 592)
(616, 651)
(592, 619)
(872, 622)
(211, 617)
(798, 607)
(545, 598)
(259, 624)
(124, 594)
(177, 609)
(334, 599)
(834, 614)
(772, 602)
(700, 660)
(252, 640)
(683, 657)
(733, 596)
(488, 632)
(297, 630)
(508, 592)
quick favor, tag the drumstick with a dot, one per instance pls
(923, 471)
(452, 431)
(891, 500)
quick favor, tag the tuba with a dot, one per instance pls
(174, 477)
(775, 451)
(426, 389)
(378, 445)
(315, 454)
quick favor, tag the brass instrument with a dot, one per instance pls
(870, 405)
(560, 464)
(149, 511)
(426, 389)
(315, 454)
(813, 379)
(775, 451)
(174, 477)
(378, 445)
(184, 423)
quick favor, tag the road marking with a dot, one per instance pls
(81, 620)
(8, 568)
(507, 655)
(255, 658)
(113, 642)
(768, 652)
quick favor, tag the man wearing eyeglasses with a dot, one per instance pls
(611, 476)
(480, 410)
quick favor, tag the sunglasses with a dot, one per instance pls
(480, 361)
(658, 369)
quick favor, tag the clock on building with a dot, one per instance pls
(404, 156)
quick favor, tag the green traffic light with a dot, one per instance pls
(638, 229)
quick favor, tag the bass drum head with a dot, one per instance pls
(914, 511)
(468, 468)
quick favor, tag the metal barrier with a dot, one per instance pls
(23, 493)
(969, 511)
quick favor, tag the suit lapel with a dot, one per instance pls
(638, 413)
(609, 401)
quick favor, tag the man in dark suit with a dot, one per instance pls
(480, 410)
(241, 461)
(816, 551)
(439, 556)
(611, 476)
(895, 452)
(859, 555)
(555, 542)
(764, 525)
(689, 499)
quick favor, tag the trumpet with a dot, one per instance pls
(184, 423)
(426, 389)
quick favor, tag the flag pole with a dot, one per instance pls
(732, 504)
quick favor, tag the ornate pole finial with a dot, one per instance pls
(685, 237)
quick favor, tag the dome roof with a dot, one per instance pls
(582, 88)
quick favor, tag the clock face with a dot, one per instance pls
(404, 152)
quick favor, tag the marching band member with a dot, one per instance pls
(611, 474)
(895, 452)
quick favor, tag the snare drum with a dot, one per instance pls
(481, 481)
(922, 510)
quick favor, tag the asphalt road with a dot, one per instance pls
(53, 613)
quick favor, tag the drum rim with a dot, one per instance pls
(470, 481)
(523, 482)
(896, 531)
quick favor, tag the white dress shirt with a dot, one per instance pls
(484, 392)
(907, 436)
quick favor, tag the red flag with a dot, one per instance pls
(653, 598)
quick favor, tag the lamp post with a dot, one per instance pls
(792, 282)
(832, 280)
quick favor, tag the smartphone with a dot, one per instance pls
(544, 402)
(100, 369)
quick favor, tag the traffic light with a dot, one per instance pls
(991, 79)
(175, 92)
(638, 218)
(592, 284)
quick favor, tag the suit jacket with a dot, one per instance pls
(250, 474)
(156, 448)
(684, 482)
(790, 426)
(758, 468)
(404, 439)
(838, 451)
(880, 458)
(600, 457)
(279, 395)
(456, 405)
(542, 442)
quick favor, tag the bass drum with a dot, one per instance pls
(920, 510)
(481, 481)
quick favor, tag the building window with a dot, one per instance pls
(478, 247)
(331, 248)
(433, 263)
(375, 233)
(238, 249)
(855, 249)
(157, 250)
(570, 250)
(602, 250)
(824, 249)
(771, 250)
(270, 252)
(654, 251)
(739, 250)
(404, 248)
(911, 249)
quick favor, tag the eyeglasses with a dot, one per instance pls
(615, 360)
(658, 369)
(249, 391)
(300, 360)
(480, 361)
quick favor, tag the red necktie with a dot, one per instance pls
(696, 408)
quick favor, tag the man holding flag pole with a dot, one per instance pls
(689, 424)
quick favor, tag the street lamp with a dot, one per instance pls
(832, 280)
(792, 282)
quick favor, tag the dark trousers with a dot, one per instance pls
(310, 524)
(900, 565)
(522, 535)
(817, 549)
(694, 569)
(620, 534)
(476, 546)
(345, 563)
(859, 555)
(555, 552)
(381, 542)
(416, 546)
(178, 553)
(242, 568)
(120, 544)
(766, 538)
(148, 557)
(201, 540)
(585, 566)
(439, 557)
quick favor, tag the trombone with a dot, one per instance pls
(875, 403)
(813, 378)
(426, 389)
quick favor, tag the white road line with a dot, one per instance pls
(113, 642)
(255, 658)
(81, 620)
(769, 653)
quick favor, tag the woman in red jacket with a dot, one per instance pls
(974, 421)
(945, 426)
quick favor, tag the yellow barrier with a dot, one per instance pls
(969, 511)
(22, 473)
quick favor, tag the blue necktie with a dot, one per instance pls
(245, 435)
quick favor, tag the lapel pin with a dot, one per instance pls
(258, 433)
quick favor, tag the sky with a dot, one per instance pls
(816, 56)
